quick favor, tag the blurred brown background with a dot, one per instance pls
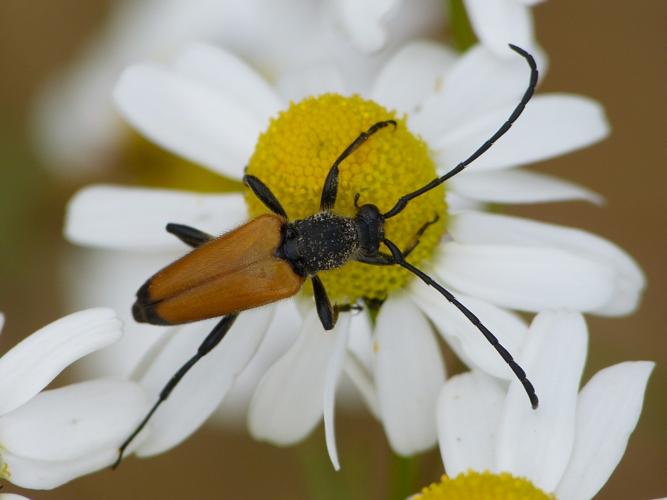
(612, 50)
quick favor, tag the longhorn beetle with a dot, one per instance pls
(270, 257)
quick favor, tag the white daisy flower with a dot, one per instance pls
(211, 107)
(75, 124)
(50, 437)
(568, 447)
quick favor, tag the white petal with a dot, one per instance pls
(363, 21)
(478, 84)
(28, 367)
(333, 370)
(519, 186)
(280, 336)
(551, 125)
(526, 278)
(464, 337)
(409, 372)
(360, 360)
(469, 409)
(537, 443)
(363, 382)
(12, 496)
(457, 203)
(360, 343)
(295, 85)
(607, 413)
(203, 388)
(223, 70)
(499, 22)
(629, 281)
(135, 218)
(288, 402)
(49, 474)
(2, 321)
(189, 117)
(411, 75)
(74, 421)
(112, 278)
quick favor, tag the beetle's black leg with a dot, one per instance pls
(415, 239)
(211, 340)
(264, 194)
(188, 234)
(507, 357)
(328, 315)
(380, 259)
(330, 189)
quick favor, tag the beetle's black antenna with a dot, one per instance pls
(518, 371)
(330, 189)
(211, 340)
(405, 199)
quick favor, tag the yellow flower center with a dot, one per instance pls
(473, 485)
(294, 155)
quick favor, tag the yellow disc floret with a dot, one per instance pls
(294, 155)
(482, 486)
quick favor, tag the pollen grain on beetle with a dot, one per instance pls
(293, 157)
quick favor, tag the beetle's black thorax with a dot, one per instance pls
(327, 241)
(319, 242)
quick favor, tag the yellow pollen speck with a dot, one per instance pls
(473, 485)
(293, 156)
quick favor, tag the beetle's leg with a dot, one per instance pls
(381, 259)
(330, 189)
(188, 234)
(328, 315)
(347, 307)
(415, 239)
(264, 194)
(211, 340)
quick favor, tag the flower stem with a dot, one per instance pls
(463, 36)
(404, 477)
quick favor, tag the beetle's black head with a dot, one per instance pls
(370, 224)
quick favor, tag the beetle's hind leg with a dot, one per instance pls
(188, 234)
(211, 340)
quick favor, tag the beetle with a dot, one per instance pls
(270, 258)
